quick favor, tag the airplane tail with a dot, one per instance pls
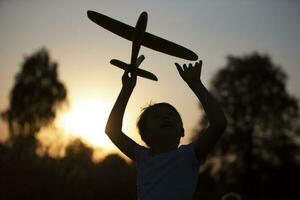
(139, 72)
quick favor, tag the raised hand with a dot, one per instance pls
(190, 74)
(217, 120)
(129, 80)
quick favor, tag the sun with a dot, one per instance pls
(86, 119)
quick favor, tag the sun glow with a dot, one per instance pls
(86, 119)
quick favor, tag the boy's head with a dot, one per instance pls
(160, 121)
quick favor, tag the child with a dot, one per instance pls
(165, 171)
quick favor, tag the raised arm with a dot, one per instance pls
(113, 127)
(217, 121)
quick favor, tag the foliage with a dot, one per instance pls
(72, 177)
(35, 96)
(262, 124)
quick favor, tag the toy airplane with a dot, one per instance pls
(139, 36)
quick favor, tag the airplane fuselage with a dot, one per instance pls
(140, 29)
(139, 37)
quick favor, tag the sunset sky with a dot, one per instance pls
(211, 28)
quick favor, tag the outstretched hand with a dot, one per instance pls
(190, 74)
(129, 80)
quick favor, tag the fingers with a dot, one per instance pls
(196, 66)
(125, 74)
(199, 65)
(128, 75)
(185, 67)
(180, 70)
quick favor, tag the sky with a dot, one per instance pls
(212, 29)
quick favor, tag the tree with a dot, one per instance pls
(35, 96)
(262, 120)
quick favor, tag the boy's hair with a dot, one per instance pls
(142, 120)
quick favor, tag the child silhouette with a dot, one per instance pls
(165, 171)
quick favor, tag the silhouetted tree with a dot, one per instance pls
(35, 96)
(262, 120)
(24, 175)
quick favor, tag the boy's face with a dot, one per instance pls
(163, 122)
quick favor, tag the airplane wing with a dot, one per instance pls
(139, 72)
(165, 46)
(112, 25)
(149, 40)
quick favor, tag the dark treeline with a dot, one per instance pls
(258, 156)
(73, 177)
